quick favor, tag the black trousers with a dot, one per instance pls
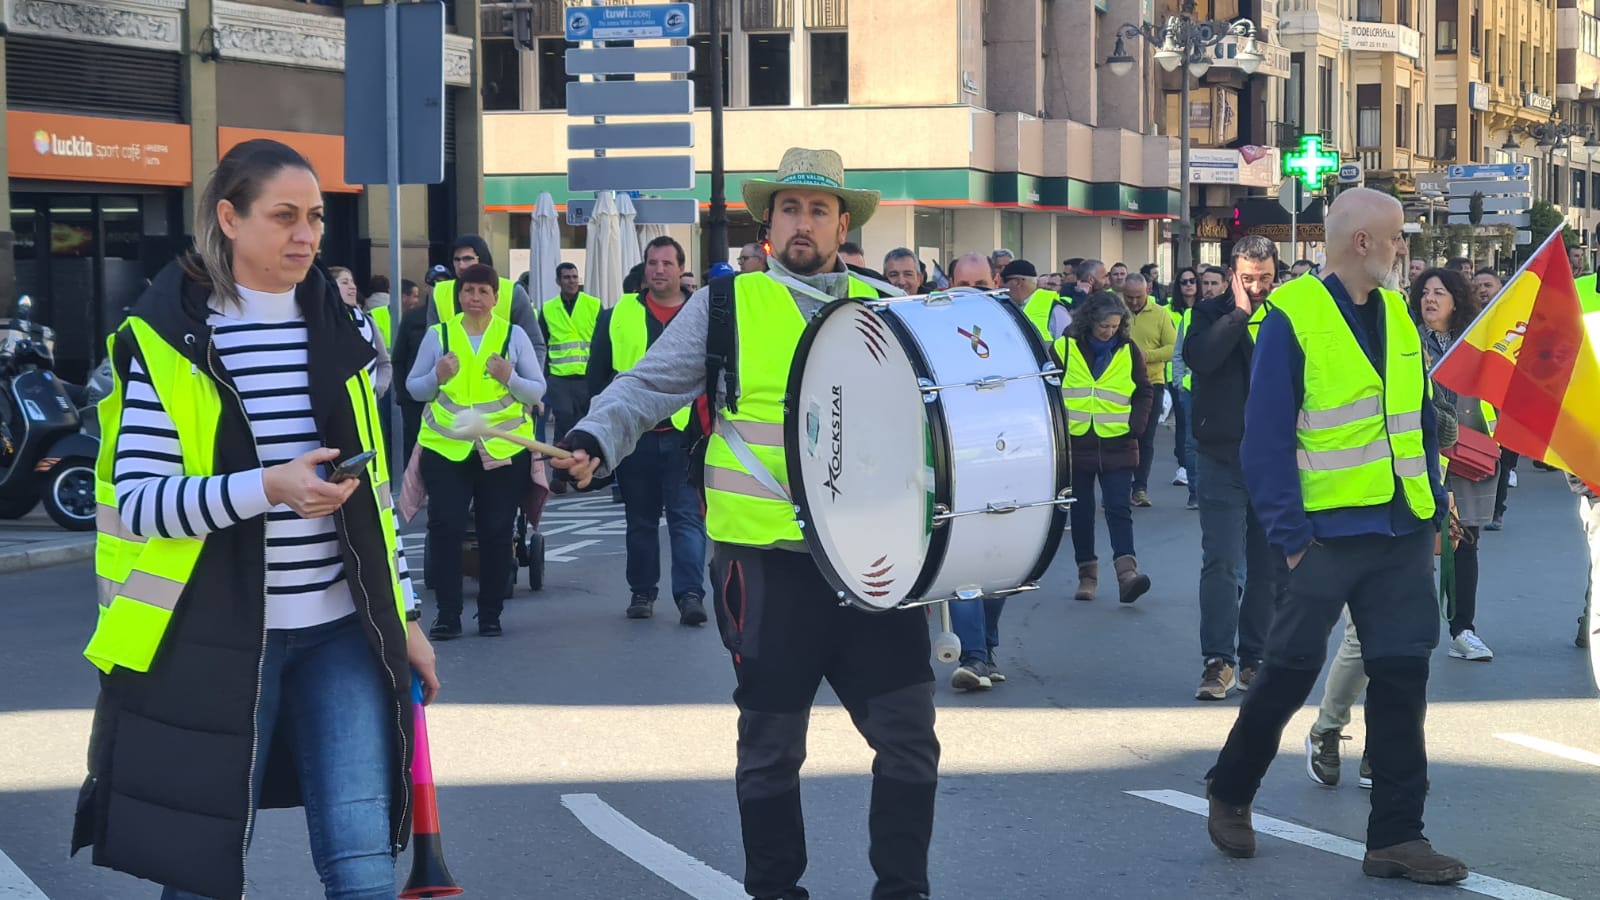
(568, 398)
(1388, 584)
(1147, 441)
(1508, 464)
(787, 633)
(493, 495)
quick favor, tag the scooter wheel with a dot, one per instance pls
(535, 561)
(69, 495)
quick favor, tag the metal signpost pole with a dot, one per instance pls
(391, 115)
(717, 224)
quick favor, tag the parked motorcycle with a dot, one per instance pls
(44, 454)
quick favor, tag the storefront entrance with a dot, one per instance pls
(84, 258)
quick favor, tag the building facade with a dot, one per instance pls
(116, 113)
(984, 124)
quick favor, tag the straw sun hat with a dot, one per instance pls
(812, 170)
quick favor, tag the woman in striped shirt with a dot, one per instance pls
(283, 675)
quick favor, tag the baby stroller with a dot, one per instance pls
(528, 543)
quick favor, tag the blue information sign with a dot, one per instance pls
(627, 23)
(1495, 170)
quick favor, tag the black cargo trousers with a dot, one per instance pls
(787, 632)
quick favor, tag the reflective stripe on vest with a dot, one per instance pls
(630, 338)
(1038, 310)
(1356, 432)
(444, 300)
(570, 335)
(1104, 404)
(769, 324)
(473, 388)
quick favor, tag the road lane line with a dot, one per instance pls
(672, 865)
(14, 885)
(1552, 748)
(1331, 843)
(560, 554)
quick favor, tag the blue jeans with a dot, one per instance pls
(326, 689)
(656, 478)
(1184, 441)
(977, 624)
(1234, 548)
(1114, 488)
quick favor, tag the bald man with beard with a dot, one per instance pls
(1341, 462)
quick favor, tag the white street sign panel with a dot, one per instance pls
(630, 136)
(630, 173)
(1466, 187)
(1459, 204)
(579, 211)
(1519, 220)
(1524, 238)
(1292, 198)
(630, 60)
(630, 98)
(671, 211)
(1350, 173)
(1490, 170)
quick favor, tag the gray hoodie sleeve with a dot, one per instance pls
(423, 382)
(670, 377)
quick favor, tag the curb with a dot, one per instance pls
(45, 554)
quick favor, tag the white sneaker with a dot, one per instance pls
(1511, 478)
(1467, 645)
(1182, 478)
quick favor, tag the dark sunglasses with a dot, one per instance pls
(1186, 281)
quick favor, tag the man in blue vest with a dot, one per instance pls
(656, 476)
(1341, 461)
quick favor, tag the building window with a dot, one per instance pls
(553, 77)
(1579, 182)
(1402, 117)
(1294, 91)
(1403, 12)
(1448, 29)
(1444, 131)
(502, 74)
(1369, 10)
(702, 70)
(1594, 191)
(1369, 115)
(769, 70)
(1325, 111)
(830, 68)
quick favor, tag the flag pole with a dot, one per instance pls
(1487, 306)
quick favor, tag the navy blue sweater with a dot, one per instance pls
(1277, 388)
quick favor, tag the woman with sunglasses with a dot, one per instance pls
(1185, 293)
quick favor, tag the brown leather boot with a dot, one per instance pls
(1131, 584)
(1415, 861)
(1088, 580)
(1230, 827)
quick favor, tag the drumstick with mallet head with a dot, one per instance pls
(471, 426)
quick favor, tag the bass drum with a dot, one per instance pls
(926, 441)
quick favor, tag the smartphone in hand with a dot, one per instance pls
(352, 467)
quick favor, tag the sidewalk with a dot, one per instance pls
(35, 542)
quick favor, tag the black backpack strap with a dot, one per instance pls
(721, 355)
(444, 339)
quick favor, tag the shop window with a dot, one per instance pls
(1402, 117)
(702, 70)
(553, 77)
(830, 68)
(502, 74)
(769, 70)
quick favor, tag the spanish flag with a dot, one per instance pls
(1530, 356)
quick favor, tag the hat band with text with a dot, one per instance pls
(810, 178)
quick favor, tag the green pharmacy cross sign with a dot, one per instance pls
(1310, 163)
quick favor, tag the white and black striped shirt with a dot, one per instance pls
(264, 347)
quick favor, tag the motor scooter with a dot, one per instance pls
(44, 454)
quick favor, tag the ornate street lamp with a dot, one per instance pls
(1550, 135)
(1183, 40)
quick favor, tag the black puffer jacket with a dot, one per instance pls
(170, 758)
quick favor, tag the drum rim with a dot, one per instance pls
(940, 537)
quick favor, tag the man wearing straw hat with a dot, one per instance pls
(777, 615)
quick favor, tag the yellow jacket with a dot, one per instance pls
(1156, 336)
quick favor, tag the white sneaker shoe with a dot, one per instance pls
(1182, 478)
(1467, 645)
(1511, 478)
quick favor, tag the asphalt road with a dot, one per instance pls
(1035, 795)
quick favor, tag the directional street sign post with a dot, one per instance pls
(1312, 164)
(599, 101)
(1505, 191)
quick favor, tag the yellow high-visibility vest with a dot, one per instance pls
(142, 579)
(739, 509)
(1103, 405)
(1357, 432)
(473, 388)
(630, 338)
(444, 299)
(570, 335)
